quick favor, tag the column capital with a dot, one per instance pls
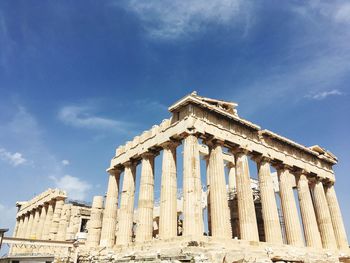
(213, 142)
(172, 144)
(129, 163)
(239, 151)
(282, 167)
(261, 158)
(114, 171)
(148, 155)
(230, 165)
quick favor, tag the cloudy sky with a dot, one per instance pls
(78, 78)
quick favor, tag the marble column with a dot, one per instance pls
(289, 208)
(40, 228)
(246, 209)
(168, 193)
(231, 178)
(109, 221)
(323, 216)
(25, 226)
(311, 232)
(30, 224)
(219, 210)
(48, 220)
(336, 217)
(20, 228)
(64, 222)
(144, 229)
(270, 216)
(192, 189)
(56, 219)
(35, 223)
(95, 223)
(208, 194)
(126, 211)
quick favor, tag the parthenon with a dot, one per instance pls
(289, 213)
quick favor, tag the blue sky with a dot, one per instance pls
(78, 78)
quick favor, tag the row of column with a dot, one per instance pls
(44, 222)
(321, 217)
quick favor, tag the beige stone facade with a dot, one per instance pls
(238, 220)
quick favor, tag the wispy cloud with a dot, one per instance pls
(65, 162)
(74, 186)
(324, 94)
(13, 159)
(172, 19)
(83, 117)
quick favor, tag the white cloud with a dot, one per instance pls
(74, 186)
(14, 159)
(171, 19)
(65, 162)
(342, 13)
(324, 94)
(81, 117)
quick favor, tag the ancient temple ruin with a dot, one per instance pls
(228, 218)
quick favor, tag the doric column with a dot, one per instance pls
(109, 221)
(48, 220)
(246, 209)
(126, 211)
(95, 223)
(17, 227)
(20, 227)
(337, 219)
(289, 207)
(144, 229)
(312, 235)
(270, 216)
(192, 189)
(56, 219)
(30, 224)
(219, 210)
(323, 217)
(25, 226)
(168, 193)
(231, 177)
(208, 195)
(64, 222)
(42, 218)
(35, 223)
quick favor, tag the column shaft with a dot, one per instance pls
(48, 220)
(35, 223)
(337, 219)
(63, 224)
(109, 221)
(312, 235)
(56, 219)
(219, 210)
(272, 226)
(144, 230)
(208, 196)
(323, 217)
(246, 209)
(40, 228)
(30, 224)
(289, 208)
(126, 211)
(25, 226)
(168, 194)
(231, 178)
(192, 189)
(95, 223)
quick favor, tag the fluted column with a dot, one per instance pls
(168, 192)
(289, 208)
(208, 195)
(109, 221)
(25, 226)
(17, 227)
(323, 217)
(246, 209)
(40, 228)
(270, 216)
(20, 228)
(95, 223)
(35, 223)
(336, 217)
(30, 224)
(144, 229)
(311, 232)
(64, 222)
(56, 219)
(126, 211)
(192, 189)
(48, 220)
(231, 177)
(219, 210)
